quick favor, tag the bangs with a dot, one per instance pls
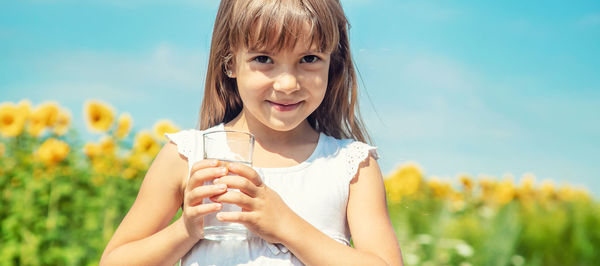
(273, 25)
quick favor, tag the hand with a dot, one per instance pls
(195, 191)
(263, 211)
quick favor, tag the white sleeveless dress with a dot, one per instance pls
(316, 190)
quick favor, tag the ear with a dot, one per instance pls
(230, 73)
(230, 66)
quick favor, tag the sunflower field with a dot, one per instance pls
(62, 198)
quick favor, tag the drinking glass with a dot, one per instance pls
(228, 146)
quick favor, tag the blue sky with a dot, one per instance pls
(456, 86)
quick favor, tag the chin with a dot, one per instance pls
(283, 126)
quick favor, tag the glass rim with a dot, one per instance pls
(252, 138)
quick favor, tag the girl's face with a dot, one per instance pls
(281, 89)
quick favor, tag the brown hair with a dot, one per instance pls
(273, 25)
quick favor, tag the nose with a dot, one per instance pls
(286, 82)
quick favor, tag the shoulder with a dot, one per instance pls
(187, 141)
(170, 167)
(351, 153)
(184, 141)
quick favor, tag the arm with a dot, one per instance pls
(267, 215)
(372, 232)
(368, 217)
(145, 237)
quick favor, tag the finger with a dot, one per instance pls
(202, 209)
(235, 217)
(238, 182)
(204, 164)
(235, 197)
(196, 195)
(245, 171)
(205, 174)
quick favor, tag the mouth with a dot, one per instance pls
(284, 107)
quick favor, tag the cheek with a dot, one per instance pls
(250, 79)
(320, 86)
(250, 89)
(246, 94)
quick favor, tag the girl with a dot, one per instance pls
(281, 70)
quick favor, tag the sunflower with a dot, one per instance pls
(504, 192)
(13, 118)
(164, 126)
(394, 194)
(45, 115)
(129, 173)
(2, 149)
(24, 108)
(467, 182)
(36, 125)
(440, 189)
(49, 112)
(124, 124)
(138, 161)
(91, 150)
(101, 166)
(62, 123)
(99, 116)
(52, 151)
(107, 146)
(146, 144)
(403, 182)
(457, 201)
(526, 191)
(569, 193)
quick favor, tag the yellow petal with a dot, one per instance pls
(439, 188)
(138, 161)
(504, 192)
(129, 173)
(12, 119)
(164, 126)
(99, 116)
(107, 146)
(146, 144)
(63, 122)
(48, 112)
(91, 150)
(124, 124)
(45, 115)
(52, 151)
(407, 179)
(25, 108)
(466, 181)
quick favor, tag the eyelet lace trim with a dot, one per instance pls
(184, 142)
(357, 152)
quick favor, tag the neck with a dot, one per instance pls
(270, 137)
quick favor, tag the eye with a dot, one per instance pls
(263, 59)
(309, 59)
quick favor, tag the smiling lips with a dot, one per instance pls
(284, 107)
